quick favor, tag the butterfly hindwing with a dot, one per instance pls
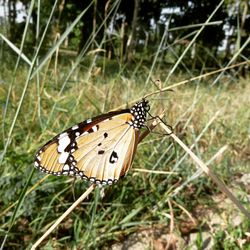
(108, 156)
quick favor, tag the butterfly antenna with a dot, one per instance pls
(159, 85)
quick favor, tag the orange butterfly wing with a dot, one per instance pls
(100, 150)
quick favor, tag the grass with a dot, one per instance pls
(177, 203)
(138, 201)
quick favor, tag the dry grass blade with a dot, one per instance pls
(199, 171)
(175, 85)
(64, 215)
(208, 171)
(152, 171)
(195, 78)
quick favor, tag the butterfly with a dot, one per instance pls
(99, 150)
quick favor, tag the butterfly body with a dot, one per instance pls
(100, 149)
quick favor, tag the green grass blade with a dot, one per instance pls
(15, 49)
(59, 42)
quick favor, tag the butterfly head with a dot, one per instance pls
(139, 111)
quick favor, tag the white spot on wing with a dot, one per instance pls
(94, 128)
(36, 164)
(63, 157)
(62, 135)
(66, 167)
(89, 121)
(63, 143)
(75, 127)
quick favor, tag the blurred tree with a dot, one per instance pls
(197, 12)
(138, 25)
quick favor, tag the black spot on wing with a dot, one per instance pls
(113, 157)
(105, 135)
(101, 152)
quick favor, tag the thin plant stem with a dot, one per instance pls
(208, 171)
(64, 215)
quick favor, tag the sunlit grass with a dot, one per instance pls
(61, 91)
(132, 204)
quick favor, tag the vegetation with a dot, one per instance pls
(47, 86)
